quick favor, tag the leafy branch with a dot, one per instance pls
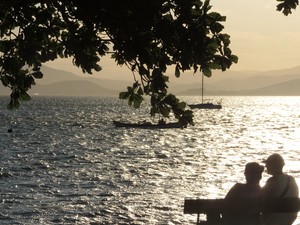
(286, 6)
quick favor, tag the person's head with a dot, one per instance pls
(274, 164)
(253, 172)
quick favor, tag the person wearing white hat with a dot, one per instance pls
(280, 185)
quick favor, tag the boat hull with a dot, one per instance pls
(147, 125)
(205, 106)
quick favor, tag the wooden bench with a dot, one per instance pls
(212, 207)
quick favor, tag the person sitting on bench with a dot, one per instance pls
(280, 185)
(251, 189)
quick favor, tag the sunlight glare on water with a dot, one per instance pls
(65, 162)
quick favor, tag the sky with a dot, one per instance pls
(263, 38)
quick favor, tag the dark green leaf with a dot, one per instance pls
(177, 70)
(24, 96)
(234, 58)
(137, 101)
(10, 105)
(5, 81)
(207, 72)
(181, 105)
(124, 95)
(37, 74)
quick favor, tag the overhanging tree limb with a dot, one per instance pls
(148, 35)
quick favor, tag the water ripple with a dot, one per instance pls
(65, 163)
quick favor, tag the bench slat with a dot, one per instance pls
(207, 206)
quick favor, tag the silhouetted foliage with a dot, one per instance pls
(286, 6)
(147, 36)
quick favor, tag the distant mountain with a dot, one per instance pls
(53, 76)
(290, 87)
(256, 81)
(72, 88)
(279, 82)
(275, 82)
(63, 83)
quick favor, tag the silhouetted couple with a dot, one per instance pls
(280, 185)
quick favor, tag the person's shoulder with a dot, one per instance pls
(288, 177)
(292, 180)
(270, 180)
(293, 187)
(235, 190)
(238, 186)
(282, 178)
(291, 177)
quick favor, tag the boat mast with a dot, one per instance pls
(202, 87)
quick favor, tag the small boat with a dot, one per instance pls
(147, 125)
(205, 105)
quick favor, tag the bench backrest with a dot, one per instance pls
(207, 206)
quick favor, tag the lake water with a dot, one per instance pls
(65, 162)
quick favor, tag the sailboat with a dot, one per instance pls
(205, 105)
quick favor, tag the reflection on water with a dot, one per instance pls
(65, 163)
